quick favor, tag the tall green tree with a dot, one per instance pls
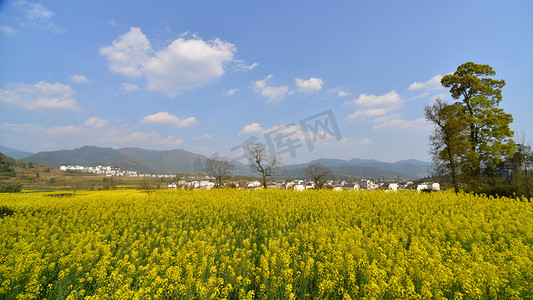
(449, 142)
(489, 135)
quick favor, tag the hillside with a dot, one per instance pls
(14, 153)
(184, 162)
(137, 159)
(412, 167)
(367, 168)
(6, 166)
(87, 155)
(170, 161)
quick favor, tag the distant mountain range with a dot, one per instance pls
(367, 168)
(134, 159)
(184, 162)
(14, 153)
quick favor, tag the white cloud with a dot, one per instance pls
(364, 141)
(141, 137)
(78, 78)
(439, 96)
(251, 129)
(400, 124)
(41, 95)
(7, 31)
(167, 118)
(37, 12)
(35, 15)
(37, 131)
(123, 136)
(187, 64)
(296, 133)
(203, 137)
(392, 98)
(22, 128)
(286, 128)
(64, 130)
(375, 106)
(96, 122)
(289, 140)
(339, 91)
(309, 86)
(76, 136)
(183, 65)
(232, 92)
(343, 142)
(432, 84)
(129, 53)
(386, 118)
(416, 86)
(129, 87)
(423, 95)
(170, 140)
(240, 65)
(362, 114)
(273, 93)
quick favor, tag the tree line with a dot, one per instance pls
(265, 163)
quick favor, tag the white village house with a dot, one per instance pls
(435, 186)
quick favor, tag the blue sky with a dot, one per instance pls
(206, 76)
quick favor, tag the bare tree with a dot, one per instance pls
(262, 160)
(147, 185)
(318, 173)
(218, 168)
(516, 171)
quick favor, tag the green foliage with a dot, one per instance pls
(472, 137)
(73, 172)
(514, 176)
(448, 143)
(11, 188)
(6, 166)
(488, 131)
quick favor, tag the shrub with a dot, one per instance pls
(12, 188)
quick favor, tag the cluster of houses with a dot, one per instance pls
(195, 182)
(365, 184)
(112, 171)
(206, 182)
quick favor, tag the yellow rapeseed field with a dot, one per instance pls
(268, 244)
